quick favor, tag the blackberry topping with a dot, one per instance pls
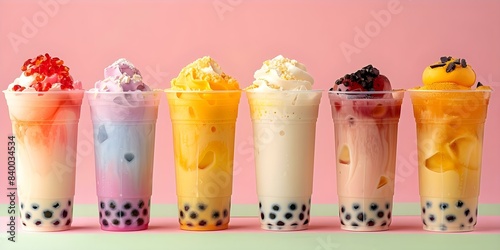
(27, 216)
(301, 216)
(423, 210)
(145, 212)
(450, 67)
(471, 220)
(107, 213)
(443, 227)
(69, 203)
(445, 59)
(463, 63)
(38, 223)
(387, 205)
(389, 215)
(295, 224)
(384, 224)
(100, 214)
(354, 224)
(423, 222)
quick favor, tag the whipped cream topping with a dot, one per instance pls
(121, 76)
(27, 81)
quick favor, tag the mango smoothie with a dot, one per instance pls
(203, 103)
(450, 111)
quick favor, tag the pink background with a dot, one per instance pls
(160, 37)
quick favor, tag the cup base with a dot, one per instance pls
(46, 215)
(449, 229)
(204, 214)
(365, 214)
(270, 227)
(124, 214)
(364, 228)
(449, 214)
(286, 214)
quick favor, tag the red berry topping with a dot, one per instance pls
(44, 67)
(381, 83)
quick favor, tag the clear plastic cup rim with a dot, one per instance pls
(366, 92)
(90, 91)
(202, 91)
(284, 91)
(57, 92)
(449, 90)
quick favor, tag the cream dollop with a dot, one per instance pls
(121, 76)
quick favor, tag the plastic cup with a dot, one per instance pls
(45, 125)
(124, 138)
(203, 126)
(284, 127)
(450, 127)
(366, 130)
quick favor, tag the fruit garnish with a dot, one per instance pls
(366, 79)
(382, 181)
(440, 162)
(344, 155)
(46, 70)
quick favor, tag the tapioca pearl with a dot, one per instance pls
(462, 225)
(361, 216)
(262, 216)
(428, 204)
(425, 223)
(202, 207)
(309, 201)
(127, 206)
(140, 222)
(129, 157)
(24, 224)
(105, 223)
(432, 218)
(288, 216)
(69, 203)
(276, 207)
(128, 222)
(467, 212)
(301, 216)
(22, 205)
(55, 205)
(280, 223)
(56, 222)
(476, 211)
(260, 205)
(443, 205)
(342, 209)
(342, 222)
(370, 223)
(27, 216)
(471, 219)
(304, 208)
(68, 222)
(373, 206)
(389, 215)
(218, 223)
(64, 214)
(189, 224)
(116, 222)
(145, 212)
(35, 206)
(355, 206)
(354, 224)
(272, 216)
(295, 224)
(120, 214)
(306, 222)
(47, 214)
(102, 205)
(292, 206)
(193, 215)
(384, 224)
(423, 210)
(100, 214)
(380, 214)
(460, 204)
(225, 213)
(112, 205)
(348, 216)
(202, 223)
(181, 214)
(215, 214)
(38, 222)
(308, 212)
(107, 213)
(387, 205)
(443, 227)
(451, 218)
(135, 213)
(141, 204)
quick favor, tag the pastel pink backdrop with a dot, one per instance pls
(160, 37)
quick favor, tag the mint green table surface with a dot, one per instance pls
(96, 239)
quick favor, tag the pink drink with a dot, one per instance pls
(366, 128)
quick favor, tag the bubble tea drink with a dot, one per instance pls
(365, 113)
(450, 112)
(284, 111)
(44, 106)
(124, 112)
(203, 103)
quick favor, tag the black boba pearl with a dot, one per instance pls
(295, 224)
(47, 214)
(140, 221)
(355, 206)
(181, 214)
(202, 207)
(471, 220)
(383, 224)
(467, 212)
(370, 223)
(262, 216)
(218, 223)
(460, 204)
(361, 216)
(129, 157)
(354, 224)
(308, 211)
(225, 213)
(186, 208)
(24, 224)
(55, 223)
(304, 208)
(428, 204)
(292, 206)
(22, 205)
(301, 216)
(348, 216)
(451, 218)
(443, 205)
(38, 222)
(288, 216)
(387, 205)
(342, 209)
(202, 223)
(127, 206)
(116, 222)
(272, 216)
(68, 222)
(120, 214)
(373, 206)
(55, 205)
(276, 207)
(100, 214)
(189, 224)
(423, 210)
(135, 213)
(102, 205)
(27, 216)
(35, 206)
(280, 223)
(443, 227)
(107, 213)
(64, 214)
(112, 205)
(128, 222)
(141, 204)
(193, 215)
(380, 214)
(260, 205)
(215, 214)
(476, 211)
(389, 215)
(69, 203)
(423, 221)
(145, 212)
(306, 222)
(462, 225)
(105, 223)
(342, 222)
(432, 218)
